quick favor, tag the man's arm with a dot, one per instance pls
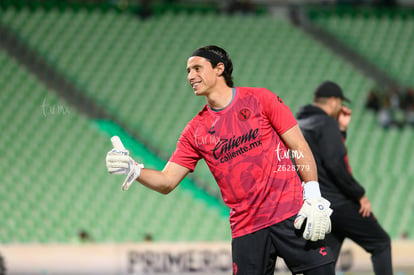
(163, 181)
(315, 209)
(344, 119)
(119, 162)
(294, 140)
(333, 152)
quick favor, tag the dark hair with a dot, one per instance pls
(215, 55)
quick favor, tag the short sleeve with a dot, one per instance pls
(278, 112)
(185, 153)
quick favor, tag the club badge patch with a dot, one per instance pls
(244, 114)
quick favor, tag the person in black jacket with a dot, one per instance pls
(324, 125)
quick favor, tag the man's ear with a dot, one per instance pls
(332, 102)
(219, 68)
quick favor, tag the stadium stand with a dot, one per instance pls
(383, 36)
(135, 69)
(103, 58)
(54, 182)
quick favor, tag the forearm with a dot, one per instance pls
(343, 179)
(155, 180)
(306, 165)
(119, 162)
(302, 154)
(163, 181)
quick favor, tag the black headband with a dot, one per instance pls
(212, 56)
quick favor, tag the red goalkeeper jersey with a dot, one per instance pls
(241, 145)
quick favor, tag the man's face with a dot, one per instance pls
(201, 75)
(337, 107)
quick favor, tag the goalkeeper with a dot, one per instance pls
(324, 125)
(246, 136)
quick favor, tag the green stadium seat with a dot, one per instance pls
(383, 39)
(135, 69)
(65, 186)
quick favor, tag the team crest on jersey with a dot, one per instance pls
(244, 114)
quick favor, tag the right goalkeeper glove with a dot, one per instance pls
(119, 162)
(316, 211)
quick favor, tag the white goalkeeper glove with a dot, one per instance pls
(119, 162)
(316, 211)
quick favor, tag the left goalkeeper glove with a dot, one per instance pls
(317, 212)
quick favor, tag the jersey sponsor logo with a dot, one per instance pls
(244, 114)
(227, 149)
(206, 140)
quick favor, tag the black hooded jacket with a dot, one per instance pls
(327, 144)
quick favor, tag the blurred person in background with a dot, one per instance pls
(246, 136)
(373, 101)
(82, 237)
(409, 106)
(324, 124)
(2, 266)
